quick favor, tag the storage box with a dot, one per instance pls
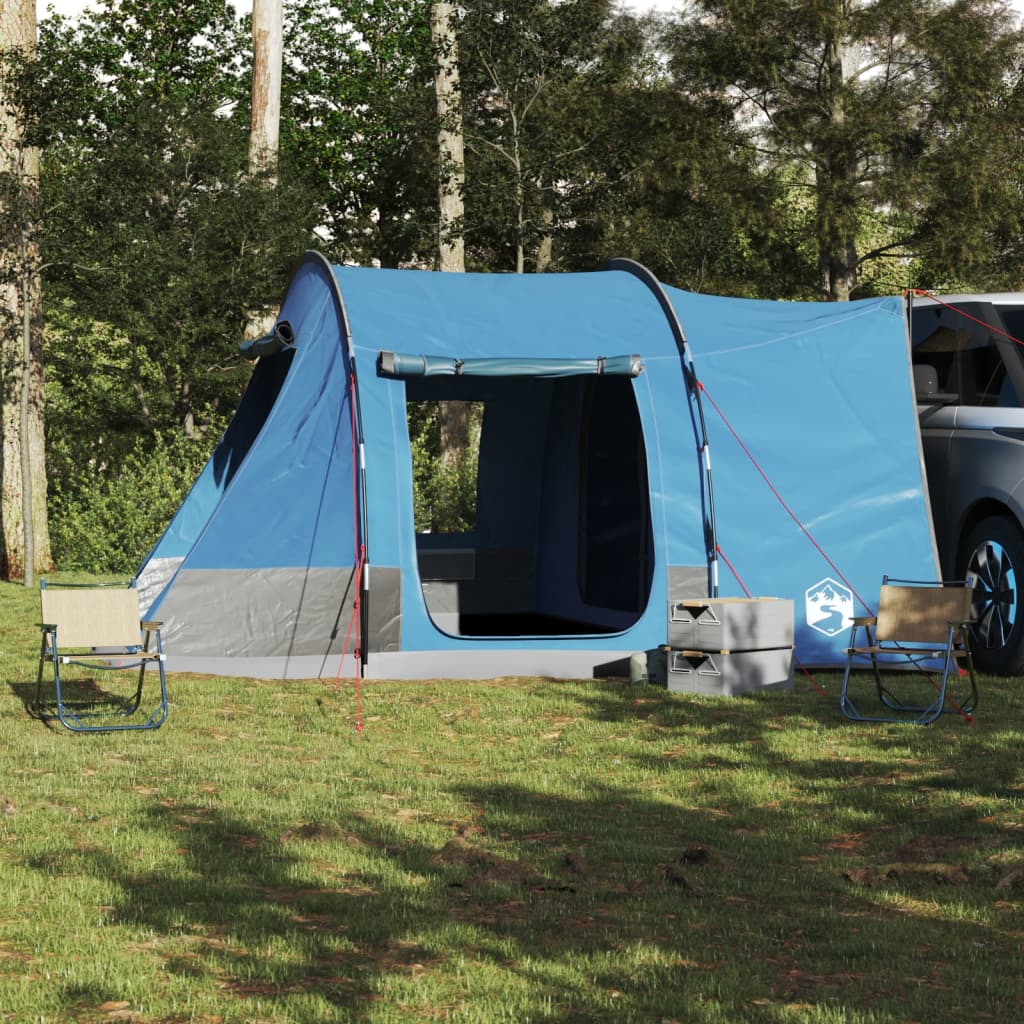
(728, 673)
(730, 623)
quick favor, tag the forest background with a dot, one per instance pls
(783, 149)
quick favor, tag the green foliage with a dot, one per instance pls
(157, 248)
(970, 221)
(691, 202)
(862, 99)
(444, 487)
(153, 225)
(358, 117)
(104, 518)
(538, 83)
(116, 477)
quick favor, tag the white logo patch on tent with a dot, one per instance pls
(829, 607)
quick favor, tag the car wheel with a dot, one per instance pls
(994, 555)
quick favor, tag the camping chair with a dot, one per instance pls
(97, 627)
(919, 622)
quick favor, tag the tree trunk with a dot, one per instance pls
(25, 416)
(453, 424)
(453, 417)
(519, 197)
(267, 45)
(518, 194)
(24, 529)
(451, 249)
(265, 126)
(545, 247)
(836, 170)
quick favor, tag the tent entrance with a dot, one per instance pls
(555, 539)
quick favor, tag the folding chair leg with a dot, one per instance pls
(914, 714)
(37, 707)
(78, 722)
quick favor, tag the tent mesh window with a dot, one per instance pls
(444, 437)
(559, 541)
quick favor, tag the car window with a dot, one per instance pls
(987, 376)
(968, 365)
(1014, 320)
(1013, 349)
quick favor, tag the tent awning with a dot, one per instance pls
(402, 364)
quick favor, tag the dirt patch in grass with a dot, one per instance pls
(943, 860)
(949, 874)
(481, 867)
(322, 832)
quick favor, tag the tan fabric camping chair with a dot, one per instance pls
(97, 627)
(918, 625)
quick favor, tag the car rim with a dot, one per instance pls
(995, 605)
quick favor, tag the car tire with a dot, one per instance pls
(993, 552)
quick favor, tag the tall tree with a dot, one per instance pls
(852, 95)
(452, 417)
(659, 176)
(265, 120)
(267, 41)
(450, 141)
(24, 535)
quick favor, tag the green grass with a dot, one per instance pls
(507, 851)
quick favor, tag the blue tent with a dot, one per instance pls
(606, 401)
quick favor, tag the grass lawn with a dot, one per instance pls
(517, 850)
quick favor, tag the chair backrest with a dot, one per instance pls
(92, 616)
(921, 614)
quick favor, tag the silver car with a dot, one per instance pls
(969, 379)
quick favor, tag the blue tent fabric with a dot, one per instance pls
(273, 558)
(592, 494)
(822, 396)
(476, 316)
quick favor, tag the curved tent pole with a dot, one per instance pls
(700, 431)
(314, 256)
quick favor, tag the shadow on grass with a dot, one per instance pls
(830, 751)
(724, 896)
(87, 701)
